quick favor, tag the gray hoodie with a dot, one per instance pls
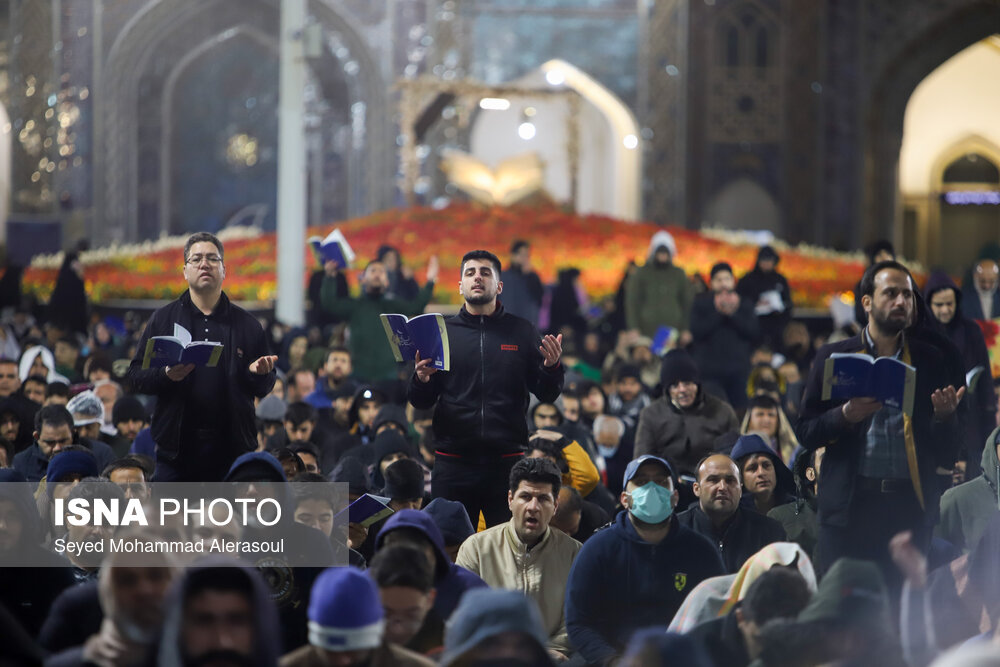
(967, 508)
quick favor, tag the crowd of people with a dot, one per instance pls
(660, 479)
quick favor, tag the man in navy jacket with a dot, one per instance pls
(479, 421)
(637, 572)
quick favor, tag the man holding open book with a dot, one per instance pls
(479, 421)
(879, 472)
(204, 416)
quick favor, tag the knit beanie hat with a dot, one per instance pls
(345, 611)
(404, 480)
(128, 408)
(451, 518)
(678, 366)
(68, 463)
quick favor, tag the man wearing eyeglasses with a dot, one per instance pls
(204, 416)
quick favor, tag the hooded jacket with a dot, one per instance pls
(267, 646)
(33, 465)
(28, 592)
(482, 401)
(658, 295)
(968, 338)
(967, 508)
(784, 489)
(28, 358)
(450, 580)
(722, 344)
(246, 343)
(290, 576)
(619, 583)
(798, 517)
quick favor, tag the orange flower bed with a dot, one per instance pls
(599, 246)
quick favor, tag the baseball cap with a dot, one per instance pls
(633, 466)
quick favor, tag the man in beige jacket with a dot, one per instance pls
(515, 555)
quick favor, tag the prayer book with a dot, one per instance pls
(180, 349)
(366, 510)
(425, 333)
(334, 247)
(887, 379)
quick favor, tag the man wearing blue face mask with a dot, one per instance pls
(636, 572)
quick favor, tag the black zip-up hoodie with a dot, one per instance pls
(482, 400)
(245, 343)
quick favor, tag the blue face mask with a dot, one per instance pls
(651, 503)
(607, 452)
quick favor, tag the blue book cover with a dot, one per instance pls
(664, 340)
(334, 247)
(180, 349)
(425, 333)
(366, 510)
(889, 380)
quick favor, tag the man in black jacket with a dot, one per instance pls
(737, 532)
(479, 422)
(880, 466)
(204, 416)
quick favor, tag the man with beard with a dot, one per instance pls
(218, 614)
(131, 600)
(372, 357)
(335, 380)
(637, 572)
(497, 359)
(737, 531)
(879, 471)
(86, 563)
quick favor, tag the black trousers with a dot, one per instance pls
(479, 483)
(874, 519)
(205, 456)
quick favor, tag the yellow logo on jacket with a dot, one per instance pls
(680, 581)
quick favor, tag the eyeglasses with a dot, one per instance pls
(195, 260)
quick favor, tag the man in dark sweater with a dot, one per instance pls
(204, 416)
(497, 359)
(636, 572)
(737, 532)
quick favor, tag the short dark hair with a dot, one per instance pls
(201, 237)
(483, 255)
(553, 448)
(303, 490)
(516, 246)
(93, 488)
(868, 280)
(537, 471)
(402, 565)
(304, 447)
(37, 379)
(299, 412)
(122, 463)
(69, 340)
(573, 503)
(875, 247)
(57, 388)
(762, 401)
(53, 415)
(780, 592)
(337, 348)
(285, 454)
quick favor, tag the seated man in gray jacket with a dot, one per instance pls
(515, 555)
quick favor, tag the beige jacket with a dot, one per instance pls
(502, 561)
(386, 655)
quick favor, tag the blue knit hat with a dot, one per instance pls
(345, 611)
(68, 463)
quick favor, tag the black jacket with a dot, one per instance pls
(746, 533)
(482, 400)
(722, 343)
(246, 343)
(822, 424)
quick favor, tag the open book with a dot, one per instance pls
(514, 178)
(180, 349)
(664, 340)
(334, 247)
(366, 510)
(425, 333)
(860, 375)
(972, 377)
